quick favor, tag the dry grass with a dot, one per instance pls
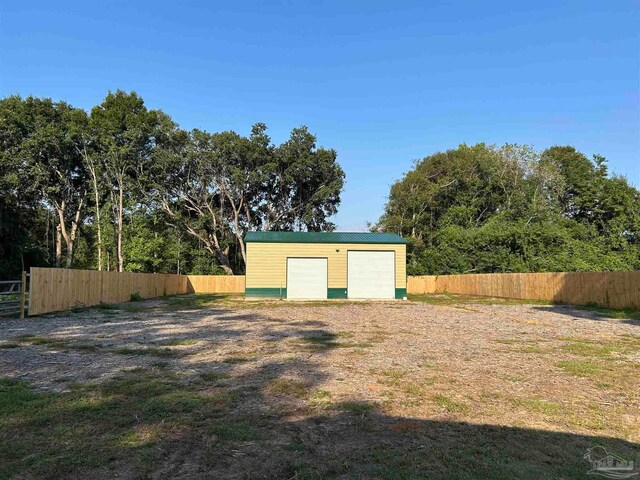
(444, 388)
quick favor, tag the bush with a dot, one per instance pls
(135, 297)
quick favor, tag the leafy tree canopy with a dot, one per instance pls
(485, 209)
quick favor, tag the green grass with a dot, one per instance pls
(213, 376)
(625, 314)
(284, 386)
(452, 299)
(235, 431)
(57, 343)
(580, 368)
(45, 341)
(537, 405)
(358, 408)
(51, 435)
(156, 352)
(107, 306)
(450, 405)
(177, 342)
(8, 345)
(200, 301)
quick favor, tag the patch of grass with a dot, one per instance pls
(285, 386)
(213, 376)
(8, 345)
(177, 342)
(537, 405)
(163, 406)
(106, 306)
(53, 435)
(45, 341)
(358, 408)
(238, 359)
(237, 431)
(580, 368)
(450, 405)
(199, 301)
(321, 395)
(320, 399)
(624, 314)
(156, 352)
(452, 299)
(588, 349)
(391, 376)
(604, 349)
(329, 341)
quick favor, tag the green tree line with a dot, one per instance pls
(124, 188)
(484, 209)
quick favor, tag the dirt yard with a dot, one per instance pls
(218, 387)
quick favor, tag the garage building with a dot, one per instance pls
(321, 265)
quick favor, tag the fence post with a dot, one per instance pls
(23, 293)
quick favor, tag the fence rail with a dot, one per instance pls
(611, 289)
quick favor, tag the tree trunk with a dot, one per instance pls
(58, 246)
(120, 215)
(97, 219)
(71, 240)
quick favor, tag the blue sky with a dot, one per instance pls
(384, 83)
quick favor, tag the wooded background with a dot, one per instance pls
(124, 188)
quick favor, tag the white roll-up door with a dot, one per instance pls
(371, 274)
(307, 278)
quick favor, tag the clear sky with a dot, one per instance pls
(384, 83)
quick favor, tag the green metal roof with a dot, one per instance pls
(323, 237)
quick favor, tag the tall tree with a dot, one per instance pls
(125, 132)
(511, 209)
(45, 151)
(219, 186)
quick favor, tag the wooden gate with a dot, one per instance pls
(13, 296)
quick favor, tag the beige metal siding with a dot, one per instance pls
(267, 262)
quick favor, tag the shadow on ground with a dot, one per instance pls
(257, 416)
(593, 313)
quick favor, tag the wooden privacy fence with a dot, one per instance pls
(611, 289)
(56, 289)
(215, 284)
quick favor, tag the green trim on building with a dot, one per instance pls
(401, 293)
(266, 292)
(325, 237)
(336, 293)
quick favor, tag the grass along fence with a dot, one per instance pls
(610, 289)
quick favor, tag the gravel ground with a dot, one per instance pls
(539, 367)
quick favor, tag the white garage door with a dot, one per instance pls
(371, 275)
(307, 278)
